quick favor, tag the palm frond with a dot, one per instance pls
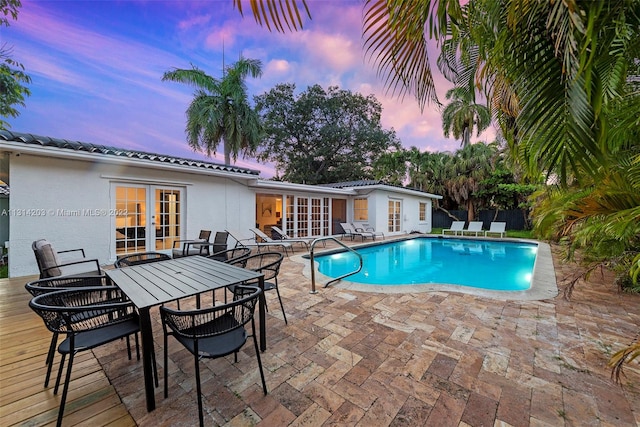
(277, 13)
(395, 39)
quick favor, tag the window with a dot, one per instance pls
(360, 209)
(423, 211)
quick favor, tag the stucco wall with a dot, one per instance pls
(410, 214)
(44, 189)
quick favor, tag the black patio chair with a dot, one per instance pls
(213, 332)
(199, 246)
(267, 263)
(140, 258)
(44, 286)
(231, 255)
(89, 317)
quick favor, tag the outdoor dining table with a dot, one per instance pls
(152, 284)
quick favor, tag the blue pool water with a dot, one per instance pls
(486, 264)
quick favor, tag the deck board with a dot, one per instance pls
(24, 342)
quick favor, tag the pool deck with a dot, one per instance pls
(437, 358)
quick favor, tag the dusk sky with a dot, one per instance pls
(97, 66)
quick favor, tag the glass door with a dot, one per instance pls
(147, 217)
(395, 208)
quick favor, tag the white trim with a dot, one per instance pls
(126, 179)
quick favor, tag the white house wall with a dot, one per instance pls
(410, 221)
(43, 189)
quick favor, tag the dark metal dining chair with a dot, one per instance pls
(267, 263)
(199, 246)
(231, 255)
(44, 286)
(213, 332)
(89, 317)
(140, 258)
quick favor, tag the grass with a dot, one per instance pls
(4, 272)
(518, 234)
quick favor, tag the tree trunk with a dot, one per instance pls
(227, 153)
(470, 211)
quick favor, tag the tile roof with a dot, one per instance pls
(369, 182)
(65, 144)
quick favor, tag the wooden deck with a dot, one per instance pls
(24, 342)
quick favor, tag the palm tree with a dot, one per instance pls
(463, 114)
(220, 109)
(468, 168)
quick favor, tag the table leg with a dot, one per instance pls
(147, 356)
(262, 315)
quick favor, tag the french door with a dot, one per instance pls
(395, 210)
(146, 217)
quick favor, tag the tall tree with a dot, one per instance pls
(469, 167)
(391, 167)
(220, 110)
(12, 76)
(462, 115)
(322, 136)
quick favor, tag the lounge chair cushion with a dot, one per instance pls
(48, 257)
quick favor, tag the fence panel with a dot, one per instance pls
(515, 218)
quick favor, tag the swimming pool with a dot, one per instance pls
(508, 267)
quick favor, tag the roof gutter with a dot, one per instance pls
(288, 186)
(367, 188)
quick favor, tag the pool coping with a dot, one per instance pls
(543, 282)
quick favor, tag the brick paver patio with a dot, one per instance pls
(419, 359)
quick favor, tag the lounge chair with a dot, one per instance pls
(71, 262)
(496, 228)
(306, 241)
(456, 226)
(262, 240)
(474, 227)
(350, 231)
(364, 227)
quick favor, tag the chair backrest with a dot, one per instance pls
(497, 227)
(362, 226)
(204, 235)
(279, 232)
(475, 226)
(231, 255)
(348, 228)
(260, 234)
(52, 284)
(457, 225)
(267, 263)
(220, 241)
(216, 320)
(46, 258)
(235, 235)
(83, 309)
(140, 258)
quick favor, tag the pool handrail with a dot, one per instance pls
(313, 270)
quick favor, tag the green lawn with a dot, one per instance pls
(519, 234)
(4, 272)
